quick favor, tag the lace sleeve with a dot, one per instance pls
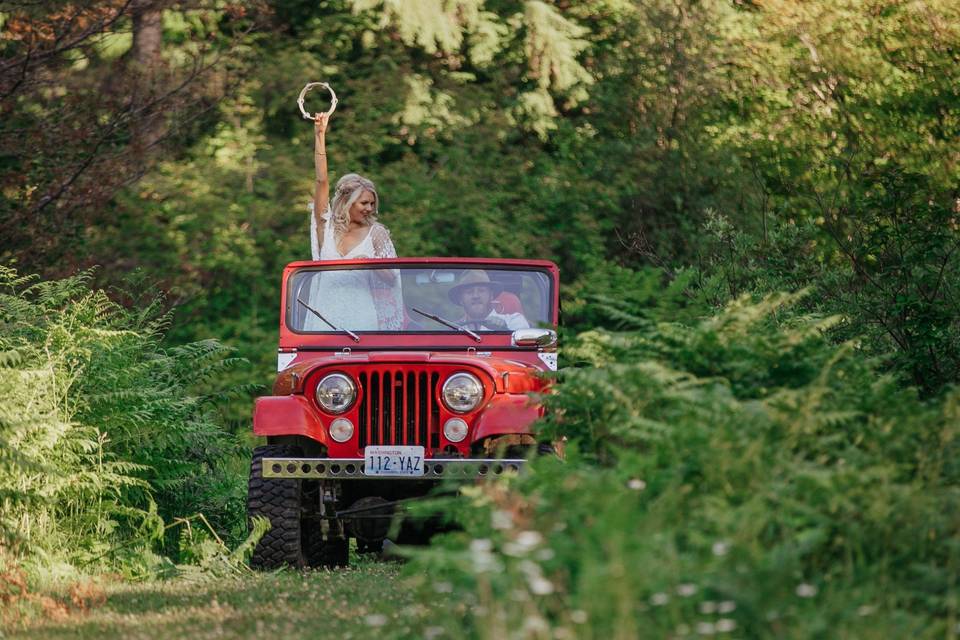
(382, 244)
(385, 286)
(316, 236)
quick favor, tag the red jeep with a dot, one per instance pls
(393, 377)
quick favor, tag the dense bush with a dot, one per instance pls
(884, 255)
(103, 440)
(737, 474)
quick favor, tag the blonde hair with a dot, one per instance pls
(349, 189)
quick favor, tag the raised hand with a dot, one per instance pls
(320, 124)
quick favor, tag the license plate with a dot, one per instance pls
(392, 461)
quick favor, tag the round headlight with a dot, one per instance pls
(341, 429)
(455, 429)
(336, 393)
(462, 392)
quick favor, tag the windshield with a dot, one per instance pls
(415, 298)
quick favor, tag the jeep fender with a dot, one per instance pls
(287, 416)
(507, 413)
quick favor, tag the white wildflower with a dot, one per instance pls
(720, 548)
(481, 545)
(375, 620)
(686, 589)
(537, 583)
(727, 606)
(545, 554)
(483, 560)
(540, 586)
(659, 599)
(579, 616)
(865, 610)
(706, 628)
(726, 625)
(535, 625)
(529, 539)
(500, 519)
(523, 544)
(486, 563)
(805, 590)
(637, 484)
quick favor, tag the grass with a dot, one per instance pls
(371, 599)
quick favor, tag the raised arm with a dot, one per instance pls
(321, 188)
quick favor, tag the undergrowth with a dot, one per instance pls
(730, 473)
(104, 440)
(739, 476)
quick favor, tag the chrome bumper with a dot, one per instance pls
(352, 468)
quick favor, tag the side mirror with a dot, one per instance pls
(534, 338)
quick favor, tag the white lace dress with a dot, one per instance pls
(356, 299)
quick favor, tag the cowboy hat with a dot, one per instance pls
(471, 278)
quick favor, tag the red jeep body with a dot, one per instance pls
(396, 384)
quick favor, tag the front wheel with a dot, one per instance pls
(280, 501)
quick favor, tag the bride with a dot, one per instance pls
(347, 228)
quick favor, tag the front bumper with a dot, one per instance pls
(352, 469)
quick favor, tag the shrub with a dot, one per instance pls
(102, 437)
(740, 473)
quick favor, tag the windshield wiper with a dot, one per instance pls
(447, 323)
(355, 337)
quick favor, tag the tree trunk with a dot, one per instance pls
(146, 62)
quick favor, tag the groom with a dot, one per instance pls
(476, 293)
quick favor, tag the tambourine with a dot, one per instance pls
(306, 89)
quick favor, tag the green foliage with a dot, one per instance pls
(740, 458)
(103, 439)
(439, 26)
(476, 35)
(739, 473)
(205, 556)
(752, 147)
(616, 297)
(884, 257)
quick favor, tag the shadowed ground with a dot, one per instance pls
(360, 602)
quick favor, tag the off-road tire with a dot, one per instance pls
(528, 452)
(546, 449)
(330, 553)
(278, 500)
(325, 554)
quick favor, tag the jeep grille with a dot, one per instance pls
(399, 407)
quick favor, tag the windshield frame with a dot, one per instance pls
(548, 269)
